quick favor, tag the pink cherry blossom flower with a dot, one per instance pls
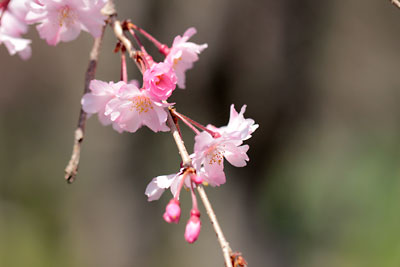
(172, 211)
(183, 54)
(238, 127)
(209, 152)
(96, 101)
(133, 108)
(64, 20)
(160, 81)
(12, 26)
(193, 226)
(159, 184)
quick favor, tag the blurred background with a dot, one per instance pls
(322, 187)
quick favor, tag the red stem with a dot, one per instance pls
(194, 199)
(189, 120)
(124, 73)
(182, 118)
(185, 173)
(148, 60)
(161, 47)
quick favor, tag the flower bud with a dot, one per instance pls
(193, 226)
(172, 212)
(196, 178)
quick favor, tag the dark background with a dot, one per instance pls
(322, 186)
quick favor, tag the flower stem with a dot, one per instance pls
(178, 192)
(161, 47)
(124, 73)
(148, 60)
(190, 121)
(182, 118)
(194, 199)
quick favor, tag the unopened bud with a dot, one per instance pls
(193, 226)
(172, 212)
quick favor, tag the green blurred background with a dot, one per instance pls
(322, 187)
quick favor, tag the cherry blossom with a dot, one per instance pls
(132, 108)
(12, 26)
(63, 20)
(160, 81)
(209, 151)
(159, 184)
(183, 54)
(238, 127)
(96, 101)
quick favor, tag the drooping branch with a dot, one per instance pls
(72, 168)
(186, 161)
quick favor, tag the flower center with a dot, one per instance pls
(176, 61)
(215, 155)
(141, 104)
(65, 16)
(158, 79)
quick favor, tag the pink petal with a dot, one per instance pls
(236, 155)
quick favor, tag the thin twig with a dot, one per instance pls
(396, 3)
(226, 250)
(119, 33)
(72, 168)
(186, 161)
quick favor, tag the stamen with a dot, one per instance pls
(66, 16)
(141, 104)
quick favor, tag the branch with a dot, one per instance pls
(72, 168)
(187, 162)
(396, 3)
(119, 33)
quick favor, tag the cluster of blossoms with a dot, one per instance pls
(210, 148)
(57, 21)
(127, 108)
(13, 25)
(128, 105)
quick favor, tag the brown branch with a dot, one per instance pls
(396, 3)
(72, 168)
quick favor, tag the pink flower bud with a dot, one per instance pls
(196, 178)
(193, 226)
(172, 212)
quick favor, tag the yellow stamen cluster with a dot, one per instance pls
(216, 157)
(141, 104)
